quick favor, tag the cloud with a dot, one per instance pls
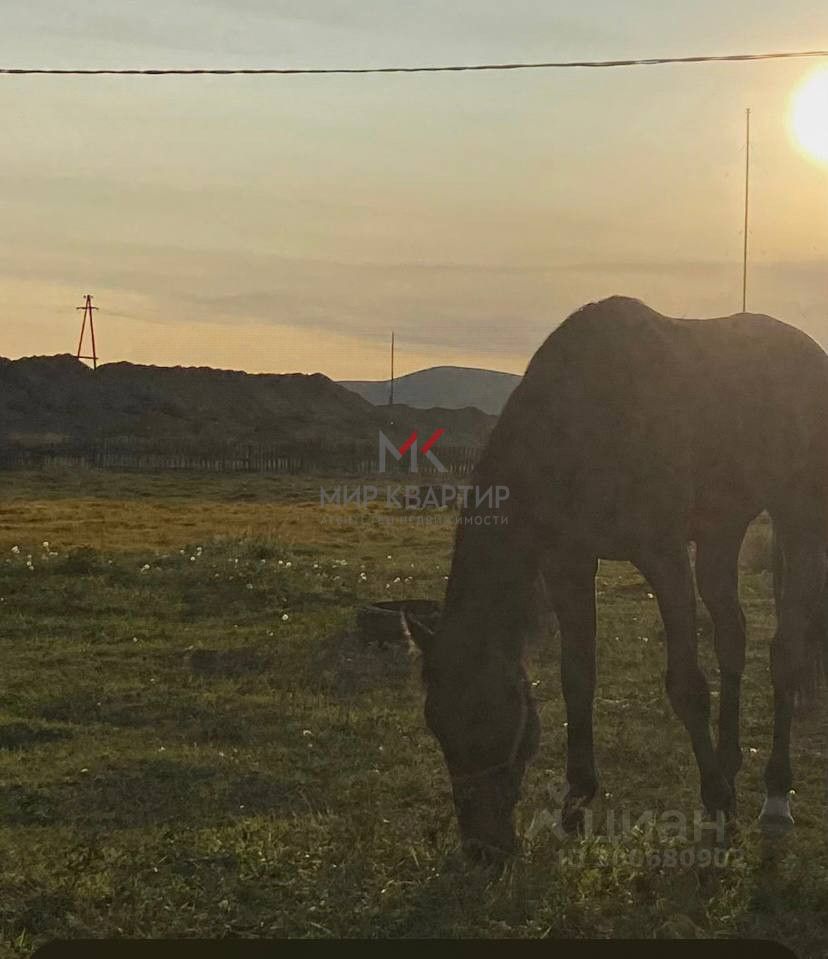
(298, 32)
(504, 309)
(463, 212)
(430, 19)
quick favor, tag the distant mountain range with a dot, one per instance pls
(57, 399)
(451, 387)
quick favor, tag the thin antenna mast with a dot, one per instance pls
(747, 207)
(391, 392)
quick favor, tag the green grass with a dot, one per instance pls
(178, 759)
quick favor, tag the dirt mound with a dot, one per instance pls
(45, 400)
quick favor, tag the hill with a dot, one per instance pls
(450, 387)
(58, 399)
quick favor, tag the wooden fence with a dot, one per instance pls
(250, 458)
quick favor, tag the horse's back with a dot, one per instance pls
(627, 419)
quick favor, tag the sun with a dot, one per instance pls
(809, 115)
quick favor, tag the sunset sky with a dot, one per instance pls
(290, 223)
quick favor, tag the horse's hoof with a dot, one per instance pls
(573, 816)
(724, 813)
(776, 820)
(719, 798)
(573, 822)
(775, 827)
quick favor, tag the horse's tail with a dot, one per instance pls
(816, 669)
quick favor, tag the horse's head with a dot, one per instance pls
(481, 711)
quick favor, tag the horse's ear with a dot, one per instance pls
(419, 632)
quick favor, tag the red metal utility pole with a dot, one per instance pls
(87, 316)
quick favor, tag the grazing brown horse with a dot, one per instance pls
(630, 435)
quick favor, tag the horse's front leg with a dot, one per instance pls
(667, 569)
(717, 576)
(571, 588)
(800, 537)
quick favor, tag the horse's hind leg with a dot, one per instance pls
(817, 645)
(816, 642)
(801, 537)
(667, 569)
(571, 588)
(717, 577)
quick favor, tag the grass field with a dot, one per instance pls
(193, 744)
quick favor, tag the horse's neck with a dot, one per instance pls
(490, 591)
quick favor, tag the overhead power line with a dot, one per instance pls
(286, 71)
